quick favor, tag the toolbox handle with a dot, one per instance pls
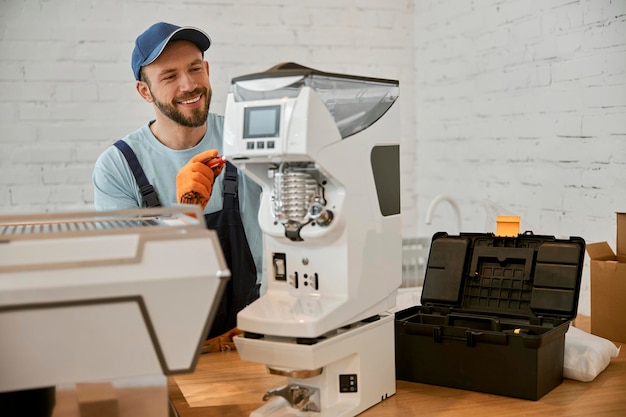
(493, 338)
(482, 322)
(470, 336)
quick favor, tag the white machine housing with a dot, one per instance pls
(101, 296)
(340, 260)
(325, 149)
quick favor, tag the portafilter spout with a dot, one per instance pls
(298, 396)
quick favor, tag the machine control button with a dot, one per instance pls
(250, 145)
(260, 145)
(293, 280)
(270, 144)
(279, 261)
(348, 383)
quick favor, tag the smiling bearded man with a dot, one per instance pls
(164, 162)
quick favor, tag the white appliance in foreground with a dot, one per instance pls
(325, 149)
(107, 295)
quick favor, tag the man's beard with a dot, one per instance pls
(198, 117)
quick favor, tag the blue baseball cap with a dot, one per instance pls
(150, 44)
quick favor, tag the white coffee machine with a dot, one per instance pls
(105, 296)
(325, 149)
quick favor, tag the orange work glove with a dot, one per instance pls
(194, 181)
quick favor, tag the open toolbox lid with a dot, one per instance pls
(529, 277)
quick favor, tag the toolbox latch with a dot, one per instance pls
(470, 337)
(437, 334)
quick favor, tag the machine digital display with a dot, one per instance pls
(261, 122)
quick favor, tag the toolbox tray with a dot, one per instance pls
(494, 314)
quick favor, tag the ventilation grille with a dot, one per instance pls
(19, 229)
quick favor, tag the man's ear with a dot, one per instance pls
(144, 91)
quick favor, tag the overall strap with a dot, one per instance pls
(231, 187)
(148, 194)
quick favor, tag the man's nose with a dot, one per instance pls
(187, 82)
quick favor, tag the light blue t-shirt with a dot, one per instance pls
(115, 187)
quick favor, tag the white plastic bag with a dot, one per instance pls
(586, 355)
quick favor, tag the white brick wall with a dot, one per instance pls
(67, 91)
(521, 103)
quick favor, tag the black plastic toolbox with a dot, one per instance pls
(494, 314)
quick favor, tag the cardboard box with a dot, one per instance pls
(97, 399)
(608, 286)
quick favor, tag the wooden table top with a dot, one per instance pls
(223, 385)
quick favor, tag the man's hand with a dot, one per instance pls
(194, 181)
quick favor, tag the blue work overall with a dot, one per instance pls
(242, 288)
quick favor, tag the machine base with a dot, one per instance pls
(358, 370)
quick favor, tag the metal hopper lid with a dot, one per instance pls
(355, 102)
